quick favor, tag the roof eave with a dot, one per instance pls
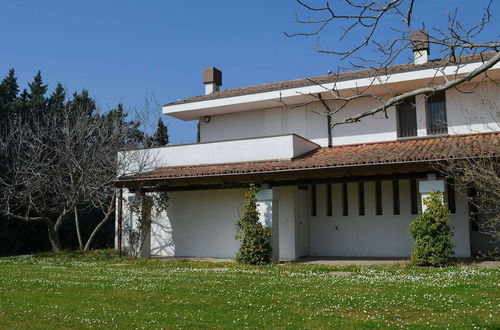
(297, 95)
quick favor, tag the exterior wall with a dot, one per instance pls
(202, 224)
(286, 219)
(373, 235)
(198, 224)
(478, 112)
(302, 237)
(466, 113)
(281, 147)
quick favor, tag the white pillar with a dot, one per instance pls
(428, 186)
(267, 205)
(287, 222)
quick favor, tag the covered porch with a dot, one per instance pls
(341, 202)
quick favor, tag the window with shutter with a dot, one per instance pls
(436, 114)
(407, 118)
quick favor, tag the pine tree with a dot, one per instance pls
(8, 93)
(57, 98)
(83, 101)
(9, 90)
(198, 132)
(161, 135)
(35, 98)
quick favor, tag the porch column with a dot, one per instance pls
(428, 186)
(267, 205)
(287, 222)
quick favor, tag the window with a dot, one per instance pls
(413, 196)
(378, 198)
(395, 196)
(329, 206)
(313, 200)
(436, 114)
(345, 202)
(407, 118)
(361, 192)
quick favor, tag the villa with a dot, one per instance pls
(347, 191)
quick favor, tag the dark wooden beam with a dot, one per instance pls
(282, 176)
(347, 179)
(119, 215)
(280, 183)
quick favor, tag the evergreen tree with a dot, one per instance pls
(254, 237)
(83, 101)
(9, 90)
(57, 98)
(161, 135)
(198, 132)
(35, 99)
(134, 133)
(432, 233)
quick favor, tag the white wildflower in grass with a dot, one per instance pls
(64, 292)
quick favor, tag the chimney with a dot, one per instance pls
(420, 43)
(212, 78)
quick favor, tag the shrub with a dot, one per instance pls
(432, 234)
(255, 248)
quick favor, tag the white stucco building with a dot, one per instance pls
(347, 192)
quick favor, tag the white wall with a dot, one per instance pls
(373, 235)
(467, 113)
(478, 112)
(282, 147)
(302, 234)
(202, 224)
(198, 224)
(286, 219)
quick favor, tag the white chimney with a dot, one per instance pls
(420, 42)
(212, 78)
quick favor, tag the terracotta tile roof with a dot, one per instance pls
(392, 152)
(333, 78)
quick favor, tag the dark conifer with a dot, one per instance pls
(83, 101)
(57, 98)
(9, 90)
(35, 96)
(161, 134)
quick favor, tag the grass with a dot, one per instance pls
(72, 290)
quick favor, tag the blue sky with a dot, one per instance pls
(123, 50)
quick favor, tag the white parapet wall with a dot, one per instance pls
(280, 147)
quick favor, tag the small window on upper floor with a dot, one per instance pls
(436, 114)
(407, 118)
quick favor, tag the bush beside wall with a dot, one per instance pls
(255, 248)
(432, 234)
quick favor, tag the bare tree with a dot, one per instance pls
(62, 163)
(376, 35)
(475, 173)
(385, 29)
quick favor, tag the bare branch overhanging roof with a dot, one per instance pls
(416, 150)
(303, 82)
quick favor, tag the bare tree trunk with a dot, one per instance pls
(101, 224)
(78, 233)
(54, 238)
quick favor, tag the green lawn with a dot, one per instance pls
(76, 291)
